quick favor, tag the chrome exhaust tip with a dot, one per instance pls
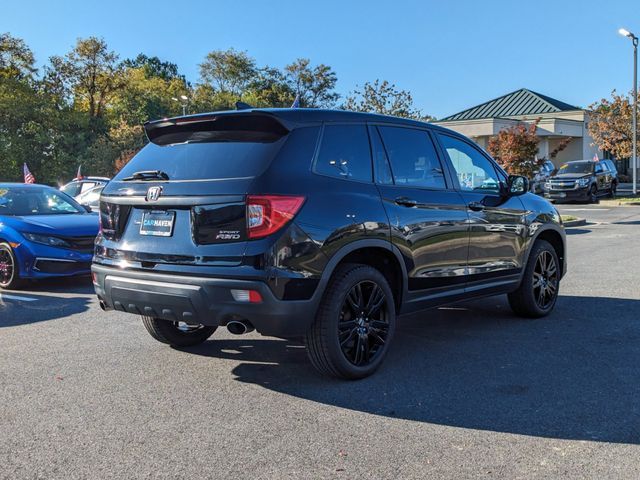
(239, 327)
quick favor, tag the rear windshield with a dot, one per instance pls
(577, 167)
(205, 161)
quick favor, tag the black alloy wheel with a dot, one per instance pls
(363, 327)
(354, 324)
(538, 292)
(545, 280)
(593, 194)
(9, 275)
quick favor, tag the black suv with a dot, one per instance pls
(318, 224)
(584, 180)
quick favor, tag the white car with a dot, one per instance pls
(78, 186)
(91, 198)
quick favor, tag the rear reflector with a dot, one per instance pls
(247, 296)
(267, 214)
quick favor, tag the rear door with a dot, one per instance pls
(496, 222)
(428, 217)
(181, 199)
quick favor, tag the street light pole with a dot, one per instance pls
(184, 103)
(635, 114)
(634, 156)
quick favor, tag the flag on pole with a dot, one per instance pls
(28, 176)
(595, 157)
(296, 102)
(79, 174)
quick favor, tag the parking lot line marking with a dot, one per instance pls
(586, 209)
(5, 296)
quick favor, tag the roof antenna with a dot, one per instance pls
(243, 106)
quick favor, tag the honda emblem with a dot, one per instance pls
(153, 194)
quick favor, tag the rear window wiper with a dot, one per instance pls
(147, 175)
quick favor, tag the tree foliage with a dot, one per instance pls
(87, 107)
(384, 98)
(515, 149)
(16, 59)
(610, 125)
(314, 85)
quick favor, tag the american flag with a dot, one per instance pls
(28, 176)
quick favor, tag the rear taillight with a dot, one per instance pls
(267, 214)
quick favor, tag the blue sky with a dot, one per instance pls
(450, 54)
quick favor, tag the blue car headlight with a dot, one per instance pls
(46, 240)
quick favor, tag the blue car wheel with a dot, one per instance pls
(9, 275)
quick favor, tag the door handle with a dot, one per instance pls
(406, 202)
(476, 206)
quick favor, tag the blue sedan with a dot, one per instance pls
(43, 233)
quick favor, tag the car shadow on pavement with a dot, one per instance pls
(79, 284)
(31, 305)
(573, 375)
(576, 231)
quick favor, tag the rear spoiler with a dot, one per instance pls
(234, 126)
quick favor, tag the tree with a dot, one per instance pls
(89, 74)
(144, 97)
(610, 125)
(228, 71)
(384, 98)
(154, 67)
(314, 85)
(16, 59)
(270, 88)
(515, 148)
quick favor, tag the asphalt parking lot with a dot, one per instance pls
(468, 391)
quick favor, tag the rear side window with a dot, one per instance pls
(345, 153)
(414, 161)
(206, 160)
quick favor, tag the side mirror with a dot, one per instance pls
(517, 185)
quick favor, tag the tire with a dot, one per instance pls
(9, 274)
(525, 301)
(366, 336)
(593, 194)
(612, 190)
(177, 334)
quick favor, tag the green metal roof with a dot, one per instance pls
(520, 102)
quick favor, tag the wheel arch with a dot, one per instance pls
(379, 254)
(557, 240)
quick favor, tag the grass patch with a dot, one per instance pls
(568, 218)
(627, 199)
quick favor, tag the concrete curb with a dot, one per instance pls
(575, 223)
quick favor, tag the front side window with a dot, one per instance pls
(414, 161)
(475, 172)
(345, 153)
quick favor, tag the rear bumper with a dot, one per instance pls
(200, 300)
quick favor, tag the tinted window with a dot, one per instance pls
(381, 162)
(345, 153)
(475, 172)
(413, 157)
(206, 160)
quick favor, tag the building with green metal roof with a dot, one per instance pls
(558, 120)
